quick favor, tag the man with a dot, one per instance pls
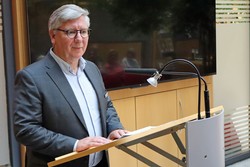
(61, 104)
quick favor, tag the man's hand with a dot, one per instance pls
(116, 134)
(89, 142)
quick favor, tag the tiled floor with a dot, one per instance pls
(245, 163)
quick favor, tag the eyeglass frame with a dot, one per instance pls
(75, 31)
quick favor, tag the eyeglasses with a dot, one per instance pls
(73, 33)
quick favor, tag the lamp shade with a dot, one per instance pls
(152, 81)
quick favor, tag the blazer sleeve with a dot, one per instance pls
(28, 120)
(113, 120)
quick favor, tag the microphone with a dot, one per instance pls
(157, 75)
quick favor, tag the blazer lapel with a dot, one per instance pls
(97, 85)
(93, 80)
(60, 80)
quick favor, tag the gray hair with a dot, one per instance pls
(65, 13)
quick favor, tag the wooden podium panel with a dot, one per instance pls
(126, 111)
(162, 109)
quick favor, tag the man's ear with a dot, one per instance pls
(52, 36)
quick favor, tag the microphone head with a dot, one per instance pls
(154, 79)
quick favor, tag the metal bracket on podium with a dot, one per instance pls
(204, 140)
(144, 141)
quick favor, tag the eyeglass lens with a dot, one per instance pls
(73, 33)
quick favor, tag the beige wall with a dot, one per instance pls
(231, 84)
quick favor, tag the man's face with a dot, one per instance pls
(70, 49)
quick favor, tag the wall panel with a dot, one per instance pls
(4, 143)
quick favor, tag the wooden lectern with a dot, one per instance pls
(204, 142)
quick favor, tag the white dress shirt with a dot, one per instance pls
(87, 100)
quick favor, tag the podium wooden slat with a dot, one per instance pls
(156, 131)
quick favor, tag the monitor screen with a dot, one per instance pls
(141, 35)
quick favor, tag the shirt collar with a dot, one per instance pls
(65, 66)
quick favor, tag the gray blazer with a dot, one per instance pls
(47, 116)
